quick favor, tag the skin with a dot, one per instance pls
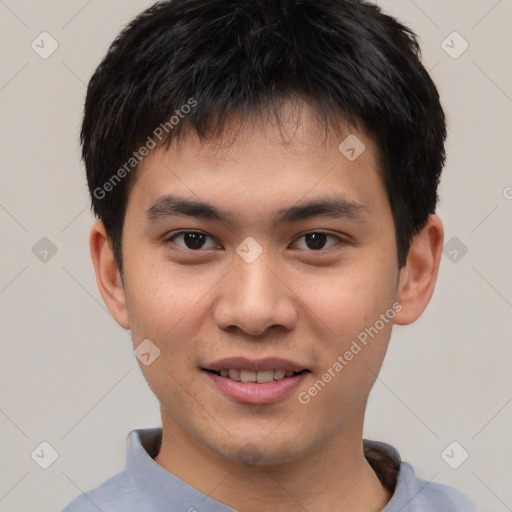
(292, 302)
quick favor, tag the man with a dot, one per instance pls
(265, 177)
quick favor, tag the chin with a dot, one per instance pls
(259, 451)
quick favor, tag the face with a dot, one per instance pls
(261, 260)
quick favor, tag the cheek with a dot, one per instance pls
(164, 302)
(349, 304)
(350, 299)
(164, 308)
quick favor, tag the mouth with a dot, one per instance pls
(263, 381)
(260, 377)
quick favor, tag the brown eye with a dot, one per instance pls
(316, 241)
(193, 240)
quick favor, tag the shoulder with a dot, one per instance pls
(111, 496)
(423, 496)
(128, 490)
(410, 493)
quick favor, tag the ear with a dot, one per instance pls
(418, 276)
(108, 277)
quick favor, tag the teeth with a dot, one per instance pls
(234, 375)
(279, 374)
(250, 376)
(265, 376)
(247, 376)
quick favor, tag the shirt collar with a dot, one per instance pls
(156, 485)
(160, 488)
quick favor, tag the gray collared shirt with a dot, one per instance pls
(144, 486)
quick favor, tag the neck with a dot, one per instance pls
(336, 476)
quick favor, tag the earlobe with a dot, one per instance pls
(418, 277)
(108, 277)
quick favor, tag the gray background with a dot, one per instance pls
(67, 370)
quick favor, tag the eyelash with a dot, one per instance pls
(180, 233)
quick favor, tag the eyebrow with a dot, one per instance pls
(170, 206)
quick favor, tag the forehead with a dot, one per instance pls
(264, 164)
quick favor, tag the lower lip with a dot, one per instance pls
(254, 393)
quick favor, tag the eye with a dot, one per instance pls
(193, 240)
(316, 241)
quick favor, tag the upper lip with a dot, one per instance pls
(255, 365)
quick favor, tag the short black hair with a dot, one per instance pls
(213, 59)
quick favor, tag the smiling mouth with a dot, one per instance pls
(260, 377)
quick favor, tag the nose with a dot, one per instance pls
(255, 297)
